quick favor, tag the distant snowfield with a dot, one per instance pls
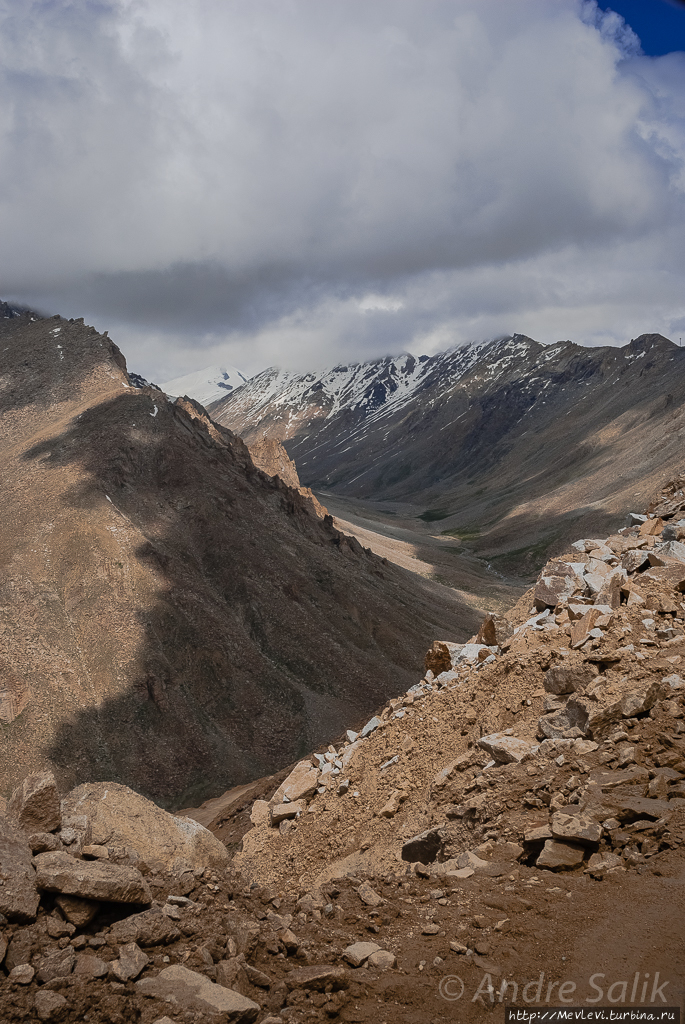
(207, 385)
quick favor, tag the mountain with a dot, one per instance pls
(206, 386)
(511, 446)
(171, 617)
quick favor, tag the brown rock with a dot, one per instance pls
(108, 814)
(44, 842)
(285, 812)
(50, 1005)
(442, 656)
(77, 911)
(20, 948)
(359, 952)
(90, 966)
(192, 991)
(301, 783)
(231, 974)
(368, 895)
(557, 855)
(23, 974)
(567, 678)
(576, 828)
(130, 963)
(96, 880)
(56, 965)
(35, 804)
(494, 630)
(257, 977)
(18, 896)
(289, 940)
(319, 976)
(150, 928)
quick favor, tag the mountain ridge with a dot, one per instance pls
(519, 442)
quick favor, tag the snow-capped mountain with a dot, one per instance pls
(206, 386)
(506, 432)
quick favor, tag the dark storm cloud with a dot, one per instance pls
(313, 180)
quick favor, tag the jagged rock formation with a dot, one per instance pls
(512, 446)
(269, 455)
(171, 618)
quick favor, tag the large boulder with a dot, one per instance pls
(107, 814)
(34, 805)
(90, 879)
(18, 896)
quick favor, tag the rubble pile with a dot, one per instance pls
(540, 765)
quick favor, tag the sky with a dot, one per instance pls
(312, 182)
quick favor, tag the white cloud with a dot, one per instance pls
(310, 180)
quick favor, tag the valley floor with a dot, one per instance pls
(394, 530)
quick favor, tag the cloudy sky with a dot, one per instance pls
(305, 182)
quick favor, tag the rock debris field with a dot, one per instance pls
(510, 830)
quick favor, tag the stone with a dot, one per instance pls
(35, 805)
(50, 1005)
(95, 851)
(257, 977)
(108, 814)
(289, 940)
(18, 895)
(382, 960)
(558, 855)
(318, 977)
(44, 842)
(150, 928)
(442, 656)
(259, 815)
(576, 828)
(130, 963)
(301, 783)
(537, 834)
(58, 927)
(90, 966)
(601, 863)
(582, 628)
(507, 749)
(368, 895)
(370, 727)
(430, 929)
(392, 806)
(90, 879)
(359, 952)
(20, 948)
(567, 678)
(557, 582)
(631, 561)
(231, 974)
(189, 990)
(494, 630)
(56, 965)
(673, 549)
(572, 719)
(285, 812)
(423, 847)
(77, 911)
(22, 974)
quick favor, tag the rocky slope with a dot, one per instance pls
(170, 615)
(511, 830)
(511, 446)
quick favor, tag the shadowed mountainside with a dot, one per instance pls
(171, 617)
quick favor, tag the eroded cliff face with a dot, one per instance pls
(169, 614)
